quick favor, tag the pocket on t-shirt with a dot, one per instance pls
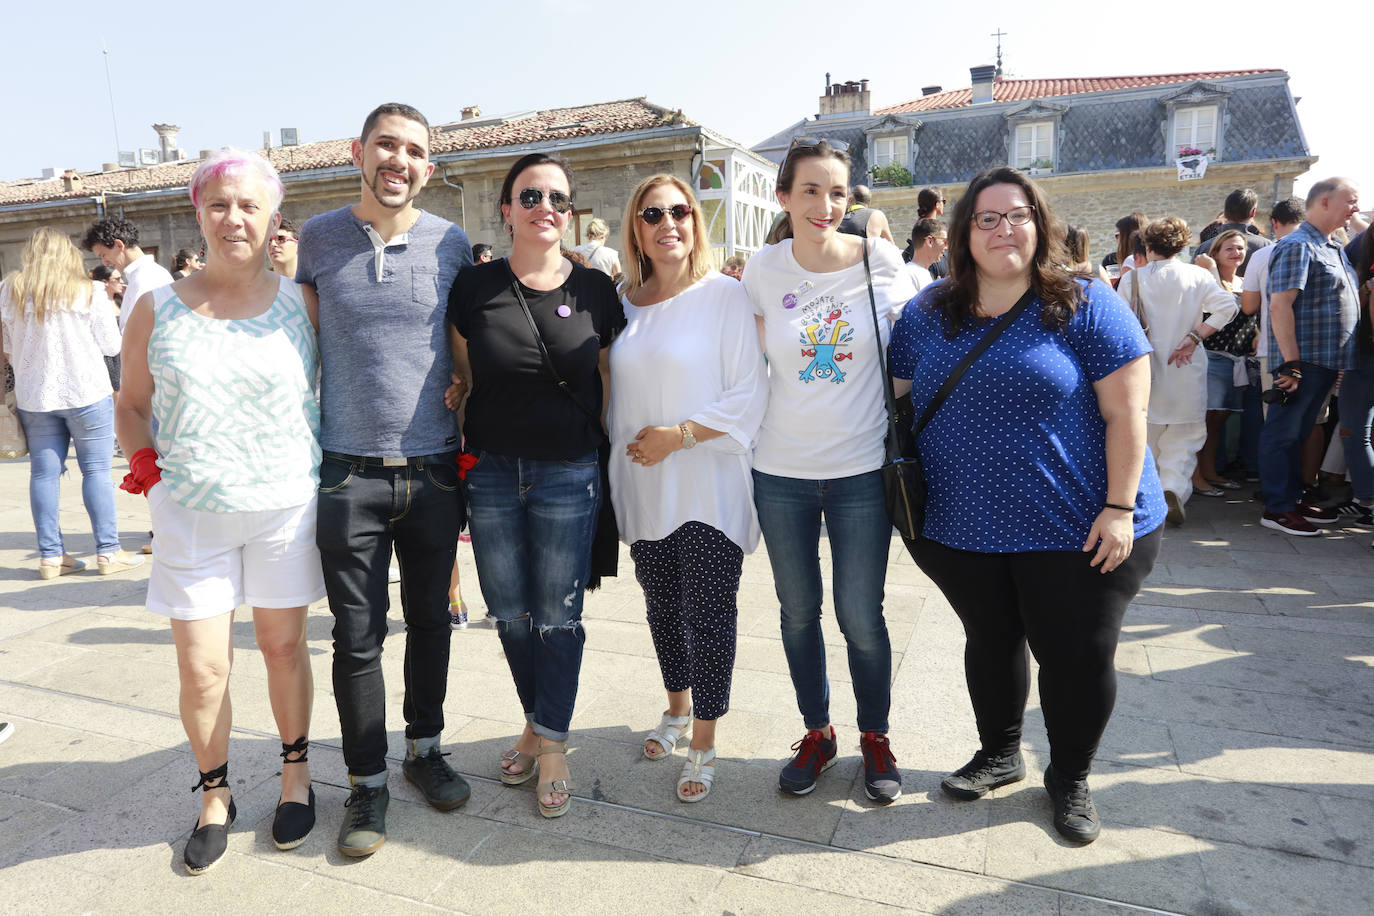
(424, 283)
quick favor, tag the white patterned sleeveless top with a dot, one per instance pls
(237, 404)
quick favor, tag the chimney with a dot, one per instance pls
(71, 180)
(930, 90)
(849, 99)
(470, 112)
(982, 83)
(167, 140)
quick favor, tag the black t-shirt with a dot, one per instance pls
(515, 407)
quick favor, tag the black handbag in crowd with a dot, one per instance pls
(904, 478)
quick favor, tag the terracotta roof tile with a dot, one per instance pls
(1004, 90)
(554, 124)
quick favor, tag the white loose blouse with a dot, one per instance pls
(58, 362)
(693, 357)
(1174, 297)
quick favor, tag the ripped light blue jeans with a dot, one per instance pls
(532, 523)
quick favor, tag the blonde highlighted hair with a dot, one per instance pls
(638, 268)
(51, 275)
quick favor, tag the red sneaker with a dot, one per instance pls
(1290, 523)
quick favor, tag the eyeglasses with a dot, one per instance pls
(990, 219)
(283, 239)
(815, 142)
(653, 215)
(533, 197)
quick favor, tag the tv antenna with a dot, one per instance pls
(999, 35)
(109, 88)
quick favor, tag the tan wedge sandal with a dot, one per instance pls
(548, 787)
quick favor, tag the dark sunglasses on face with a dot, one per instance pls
(533, 197)
(814, 142)
(653, 215)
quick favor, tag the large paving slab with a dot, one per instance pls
(1237, 776)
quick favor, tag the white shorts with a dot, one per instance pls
(208, 563)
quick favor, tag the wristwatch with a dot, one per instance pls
(688, 440)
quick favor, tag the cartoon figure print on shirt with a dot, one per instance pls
(823, 335)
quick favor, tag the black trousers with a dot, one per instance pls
(1069, 614)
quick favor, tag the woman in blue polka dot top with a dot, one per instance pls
(1044, 512)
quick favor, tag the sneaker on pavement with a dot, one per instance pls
(882, 779)
(1352, 512)
(438, 782)
(1316, 514)
(364, 825)
(815, 754)
(1075, 815)
(458, 615)
(982, 774)
(1290, 523)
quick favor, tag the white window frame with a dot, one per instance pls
(1039, 147)
(892, 157)
(1186, 120)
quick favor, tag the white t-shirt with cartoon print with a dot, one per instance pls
(826, 417)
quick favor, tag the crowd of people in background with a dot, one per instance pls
(300, 405)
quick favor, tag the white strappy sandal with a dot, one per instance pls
(669, 734)
(698, 768)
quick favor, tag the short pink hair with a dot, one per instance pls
(231, 162)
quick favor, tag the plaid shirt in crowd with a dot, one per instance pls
(1327, 308)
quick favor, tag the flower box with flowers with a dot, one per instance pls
(1192, 162)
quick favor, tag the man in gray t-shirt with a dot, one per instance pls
(380, 271)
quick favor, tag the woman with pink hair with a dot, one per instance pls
(225, 361)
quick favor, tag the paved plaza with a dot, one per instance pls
(1237, 776)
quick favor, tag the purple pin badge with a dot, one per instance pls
(789, 301)
(564, 311)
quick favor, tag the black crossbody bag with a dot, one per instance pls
(904, 477)
(606, 541)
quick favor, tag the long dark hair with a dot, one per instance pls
(1050, 277)
(800, 152)
(1124, 227)
(529, 160)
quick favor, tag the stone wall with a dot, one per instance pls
(1096, 200)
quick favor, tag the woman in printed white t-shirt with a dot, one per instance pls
(820, 450)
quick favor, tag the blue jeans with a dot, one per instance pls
(1286, 427)
(366, 510)
(532, 524)
(1357, 413)
(49, 433)
(860, 533)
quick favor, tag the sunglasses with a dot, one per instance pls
(991, 219)
(654, 215)
(815, 142)
(533, 197)
(283, 239)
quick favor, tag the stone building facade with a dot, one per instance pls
(610, 146)
(1099, 147)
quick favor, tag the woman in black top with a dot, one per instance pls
(534, 492)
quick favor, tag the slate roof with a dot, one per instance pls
(483, 133)
(1004, 90)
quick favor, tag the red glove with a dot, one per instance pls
(465, 463)
(143, 472)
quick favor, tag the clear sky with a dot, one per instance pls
(227, 72)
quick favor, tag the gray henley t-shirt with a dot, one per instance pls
(384, 356)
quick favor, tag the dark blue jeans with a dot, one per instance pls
(532, 523)
(1357, 413)
(1286, 427)
(365, 511)
(860, 533)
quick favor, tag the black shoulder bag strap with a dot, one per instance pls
(888, 398)
(543, 350)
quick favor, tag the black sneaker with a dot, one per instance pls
(1075, 816)
(1317, 515)
(815, 754)
(1352, 513)
(982, 774)
(882, 779)
(438, 782)
(364, 826)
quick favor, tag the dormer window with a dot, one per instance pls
(1034, 147)
(889, 150)
(1195, 129)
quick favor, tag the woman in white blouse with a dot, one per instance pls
(685, 410)
(1171, 299)
(58, 326)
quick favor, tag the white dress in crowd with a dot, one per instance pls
(693, 357)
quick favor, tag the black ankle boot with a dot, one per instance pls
(294, 821)
(208, 844)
